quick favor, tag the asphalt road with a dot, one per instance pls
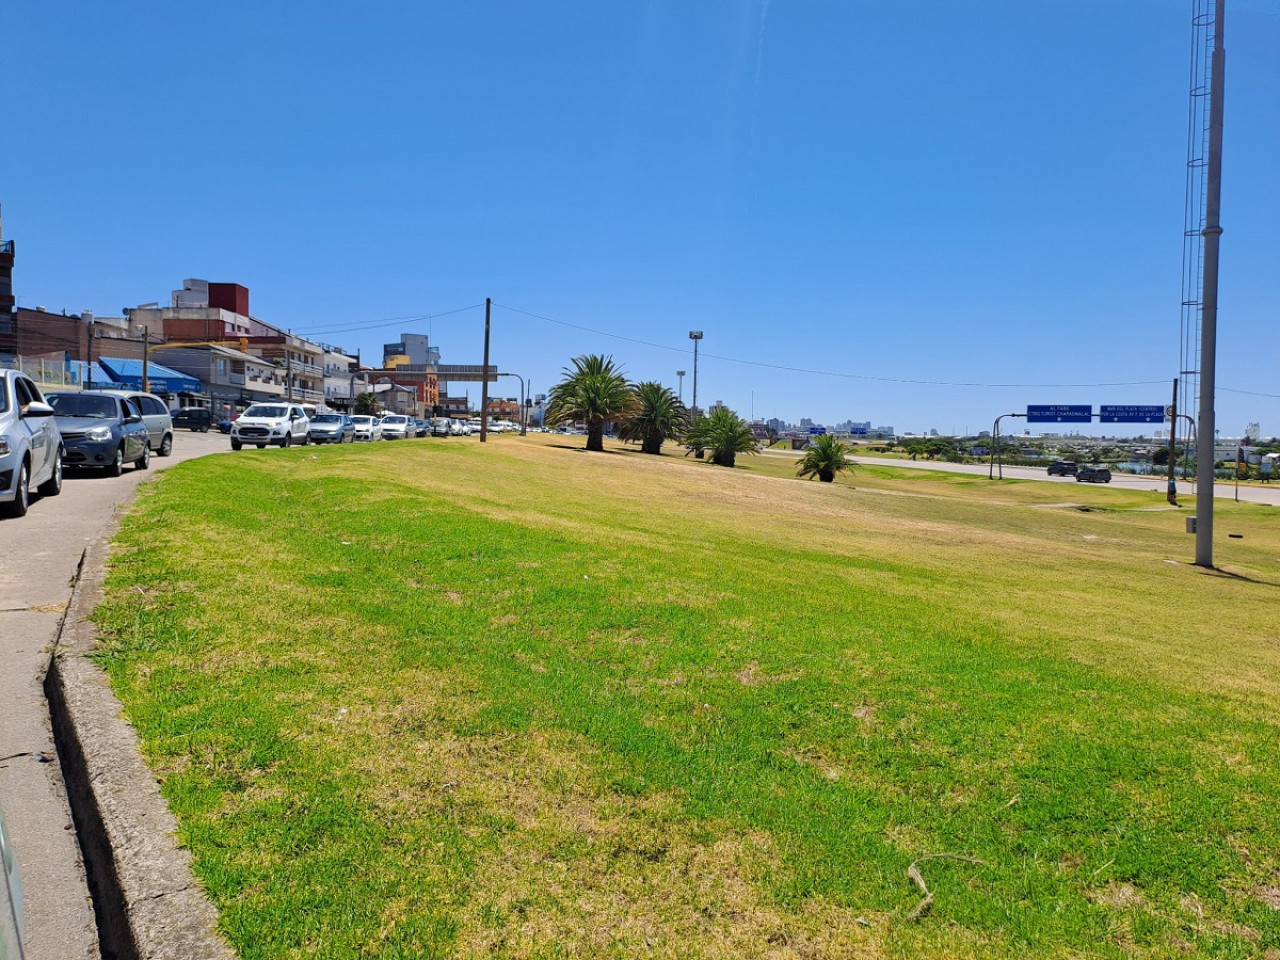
(43, 549)
(1223, 490)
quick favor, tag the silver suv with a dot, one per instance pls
(281, 424)
(30, 444)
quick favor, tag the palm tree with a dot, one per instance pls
(724, 433)
(824, 458)
(656, 415)
(593, 390)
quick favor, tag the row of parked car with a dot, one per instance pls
(41, 434)
(284, 424)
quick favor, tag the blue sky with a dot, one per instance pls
(911, 191)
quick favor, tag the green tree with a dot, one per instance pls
(367, 404)
(655, 415)
(594, 390)
(824, 458)
(725, 434)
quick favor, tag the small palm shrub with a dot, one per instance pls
(655, 415)
(724, 434)
(824, 458)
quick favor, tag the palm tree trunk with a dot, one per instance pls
(652, 443)
(595, 437)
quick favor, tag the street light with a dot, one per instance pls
(695, 336)
(680, 374)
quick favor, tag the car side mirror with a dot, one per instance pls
(133, 418)
(37, 409)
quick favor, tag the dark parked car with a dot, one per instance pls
(1093, 475)
(102, 430)
(332, 428)
(195, 419)
(155, 415)
(1062, 468)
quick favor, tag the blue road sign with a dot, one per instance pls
(858, 432)
(1130, 414)
(816, 431)
(1059, 413)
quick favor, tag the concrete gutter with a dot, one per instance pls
(147, 901)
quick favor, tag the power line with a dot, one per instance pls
(388, 322)
(828, 373)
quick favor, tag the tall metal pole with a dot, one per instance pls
(1212, 231)
(1173, 446)
(484, 377)
(695, 336)
(680, 389)
(146, 350)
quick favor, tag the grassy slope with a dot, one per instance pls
(436, 699)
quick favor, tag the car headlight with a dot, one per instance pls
(98, 433)
(5, 449)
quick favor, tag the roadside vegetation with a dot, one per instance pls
(518, 700)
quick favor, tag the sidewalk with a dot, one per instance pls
(41, 552)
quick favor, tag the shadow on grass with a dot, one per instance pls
(1228, 575)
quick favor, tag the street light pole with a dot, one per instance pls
(680, 391)
(1212, 231)
(695, 336)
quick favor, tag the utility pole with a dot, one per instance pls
(1206, 432)
(695, 336)
(484, 376)
(1173, 445)
(680, 390)
(146, 350)
(288, 372)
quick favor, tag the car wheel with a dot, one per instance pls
(287, 441)
(53, 486)
(306, 439)
(143, 461)
(166, 445)
(21, 494)
(236, 444)
(117, 465)
(262, 446)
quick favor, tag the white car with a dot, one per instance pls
(280, 424)
(367, 428)
(397, 427)
(459, 428)
(30, 444)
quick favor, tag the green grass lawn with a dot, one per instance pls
(437, 699)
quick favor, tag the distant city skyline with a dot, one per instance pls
(897, 212)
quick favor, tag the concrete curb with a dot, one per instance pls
(146, 898)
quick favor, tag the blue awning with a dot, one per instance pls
(161, 379)
(86, 375)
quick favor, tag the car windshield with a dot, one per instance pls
(266, 410)
(79, 405)
(363, 421)
(327, 418)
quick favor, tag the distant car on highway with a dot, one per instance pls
(1090, 474)
(1062, 468)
